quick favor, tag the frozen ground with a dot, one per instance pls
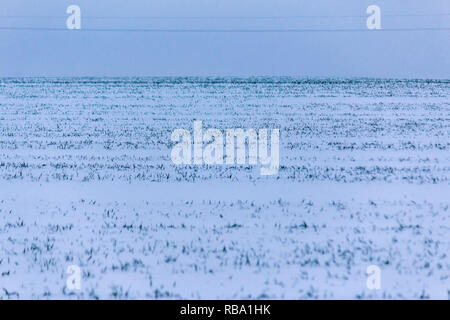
(86, 179)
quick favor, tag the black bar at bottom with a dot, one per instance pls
(222, 309)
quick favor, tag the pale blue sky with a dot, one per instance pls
(421, 54)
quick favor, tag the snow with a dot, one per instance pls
(86, 179)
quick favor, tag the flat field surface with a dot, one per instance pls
(86, 179)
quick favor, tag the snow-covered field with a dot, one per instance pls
(86, 179)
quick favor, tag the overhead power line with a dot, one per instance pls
(223, 30)
(226, 17)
